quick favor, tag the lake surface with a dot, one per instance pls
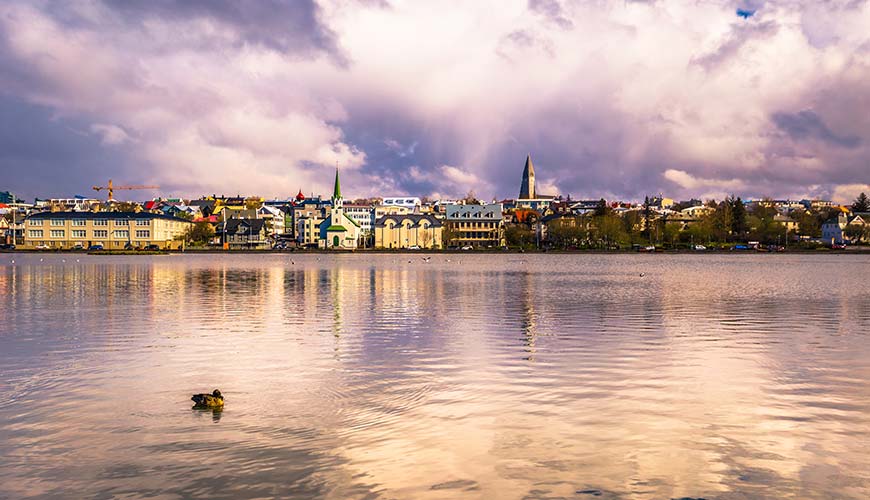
(482, 376)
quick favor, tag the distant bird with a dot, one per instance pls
(13, 261)
(77, 260)
(642, 275)
(427, 259)
(292, 263)
(40, 260)
(213, 400)
(63, 260)
(448, 260)
(745, 13)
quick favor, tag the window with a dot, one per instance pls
(35, 222)
(101, 222)
(143, 222)
(57, 222)
(79, 222)
(121, 234)
(79, 233)
(120, 222)
(57, 233)
(143, 233)
(35, 233)
(101, 233)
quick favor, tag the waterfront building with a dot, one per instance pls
(362, 214)
(408, 231)
(832, 229)
(244, 234)
(474, 225)
(338, 231)
(112, 230)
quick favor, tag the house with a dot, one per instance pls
(244, 233)
(832, 229)
(408, 230)
(274, 218)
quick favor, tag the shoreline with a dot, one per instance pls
(819, 251)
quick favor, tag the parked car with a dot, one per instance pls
(78, 246)
(128, 246)
(7, 246)
(413, 247)
(152, 247)
(740, 247)
(467, 247)
(43, 247)
(95, 247)
(700, 248)
(838, 246)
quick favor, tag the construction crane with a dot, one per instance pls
(111, 188)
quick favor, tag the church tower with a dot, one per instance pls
(337, 201)
(527, 188)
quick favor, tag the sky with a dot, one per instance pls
(616, 99)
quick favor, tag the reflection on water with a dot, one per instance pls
(366, 376)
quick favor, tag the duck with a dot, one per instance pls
(213, 400)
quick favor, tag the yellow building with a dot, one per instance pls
(112, 230)
(408, 231)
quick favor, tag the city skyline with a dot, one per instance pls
(611, 100)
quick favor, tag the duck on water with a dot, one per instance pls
(213, 400)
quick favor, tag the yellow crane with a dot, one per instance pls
(111, 188)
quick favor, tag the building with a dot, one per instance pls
(529, 197)
(832, 229)
(338, 231)
(408, 230)
(362, 215)
(112, 230)
(274, 218)
(474, 225)
(527, 187)
(410, 202)
(244, 233)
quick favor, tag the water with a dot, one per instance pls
(485, 376)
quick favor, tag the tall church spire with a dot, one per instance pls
(527, 188)
(336, 191)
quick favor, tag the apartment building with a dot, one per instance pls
(112, 230)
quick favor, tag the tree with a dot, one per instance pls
(471, 198)
(200, 233)
(856, 233)
(601, 209)
(738, 216)
(518, 235)
(861, 204)
(647, 219)
(125, 206)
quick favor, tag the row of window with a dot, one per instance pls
(96, 222)
(81, 233)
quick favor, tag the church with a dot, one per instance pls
(338, 231)
(529, 198)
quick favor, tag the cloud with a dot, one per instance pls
(806, 124)
(265, 97)
(111, 135)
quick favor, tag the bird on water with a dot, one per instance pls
(213, 400)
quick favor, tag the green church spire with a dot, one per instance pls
(336, 192)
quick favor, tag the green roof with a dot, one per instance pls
(336, 228)
(336, 192)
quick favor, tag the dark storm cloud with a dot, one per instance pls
(45, 155)
(293, 27)
(806, 124)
